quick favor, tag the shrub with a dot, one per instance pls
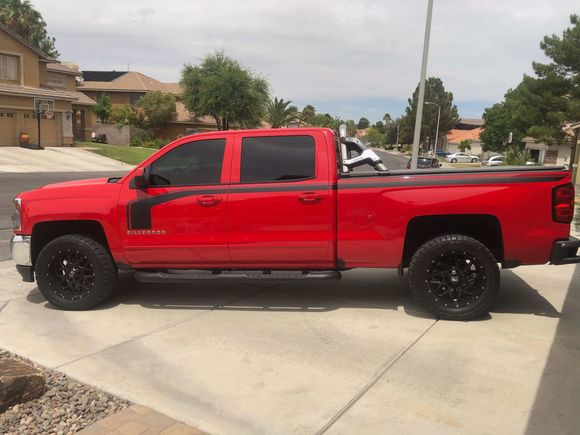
(514, 156)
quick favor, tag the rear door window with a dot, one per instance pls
(277, 158)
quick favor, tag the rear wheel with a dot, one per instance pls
(473, 160)
(455, 277)
(453, 160)
(75, 272)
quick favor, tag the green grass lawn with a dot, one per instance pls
(126, 154)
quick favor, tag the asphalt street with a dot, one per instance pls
(13, 183)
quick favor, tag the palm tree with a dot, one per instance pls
(279, 112)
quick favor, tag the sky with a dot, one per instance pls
(350, 58)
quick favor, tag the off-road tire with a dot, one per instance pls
(92, 253)
(425, 257)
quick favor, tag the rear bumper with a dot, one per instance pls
(565, 251)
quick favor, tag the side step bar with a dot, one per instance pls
(187, 276)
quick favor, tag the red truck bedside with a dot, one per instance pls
(286, 204)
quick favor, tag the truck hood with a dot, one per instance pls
(87, 182)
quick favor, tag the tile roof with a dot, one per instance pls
(37, 92)
(77, 98)
(182, 115)
(456, 136)
(127, 81)
(174, 88)
(20, 39)
(471, 121)
(57, 67)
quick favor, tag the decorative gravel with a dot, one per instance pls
(66, 406)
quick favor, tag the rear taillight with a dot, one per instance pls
(563, 203)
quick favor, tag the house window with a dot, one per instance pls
(56, 80)
(8, 68)
(134, 99)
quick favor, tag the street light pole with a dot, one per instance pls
(437, 131)
(420, 102)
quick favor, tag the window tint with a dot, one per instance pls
(279, 158)
(190, 164)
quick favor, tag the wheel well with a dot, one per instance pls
(484, 228)
(45, 232)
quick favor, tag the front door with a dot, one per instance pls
(180, 219)
(281, 206)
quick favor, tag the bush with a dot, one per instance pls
(514, 156)
(144, 138)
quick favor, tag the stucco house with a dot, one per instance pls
(466, 129)
(126, 87)
(28, 77)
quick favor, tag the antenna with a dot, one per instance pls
(128, 65)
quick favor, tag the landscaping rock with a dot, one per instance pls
(19, 382)
(66, 408)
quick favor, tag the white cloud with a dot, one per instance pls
(316, 50)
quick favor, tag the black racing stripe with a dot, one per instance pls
(440, 182)
(140, 209)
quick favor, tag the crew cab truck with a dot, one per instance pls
(288, 204)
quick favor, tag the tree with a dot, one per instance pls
(157, 108)
(308, 113)
(103, 108)
(374, 137)
(221, 88)
(436, 93)
(21, 17)
(379, 126)
(351, 128)
(280, 113)
(126, 115)
(540, 105)
(363, 123)
(464, 145)
(387, 118)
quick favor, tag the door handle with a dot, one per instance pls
(206, 200)
(310, 197)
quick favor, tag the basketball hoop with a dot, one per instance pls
(49, 114)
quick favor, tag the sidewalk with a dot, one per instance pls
(56, 159)
(139, 420)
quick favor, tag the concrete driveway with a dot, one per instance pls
(56, 159)
(358, 356)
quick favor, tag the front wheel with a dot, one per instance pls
(454, 276)
(453, 160)
(473, 160)
(74, 272)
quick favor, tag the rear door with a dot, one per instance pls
(281, 210)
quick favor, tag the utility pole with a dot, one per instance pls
(397, 144)
(420, 102)
(437, 131)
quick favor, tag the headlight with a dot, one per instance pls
(16, 220)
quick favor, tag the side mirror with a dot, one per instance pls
(141, 180)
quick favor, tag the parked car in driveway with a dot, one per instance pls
(425, 163)
(494, 161)
(461, 158)
(441, 153)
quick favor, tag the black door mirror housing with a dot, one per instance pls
(141, 180)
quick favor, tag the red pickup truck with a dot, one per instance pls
(286, 204)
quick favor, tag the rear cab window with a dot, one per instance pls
(277, 159)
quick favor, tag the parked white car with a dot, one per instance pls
(494, 161)
(461, 158)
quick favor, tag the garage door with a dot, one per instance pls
(8, 129)
(49, 129)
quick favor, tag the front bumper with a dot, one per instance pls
(565, 251)
(20, 250)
